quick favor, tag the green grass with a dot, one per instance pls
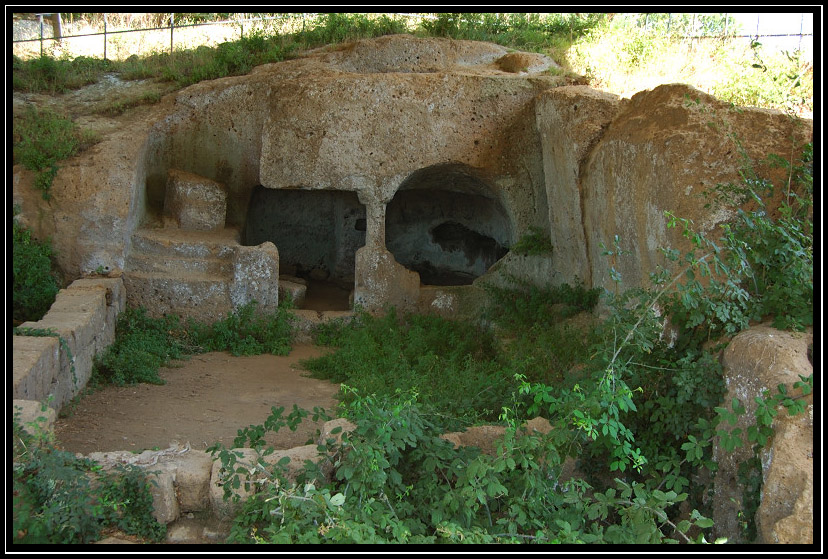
(455, 366)
(50, 75)
(614, 53)
(121, 106)
(35, 284)
(41, 139)
(462, 369)
(144, 344)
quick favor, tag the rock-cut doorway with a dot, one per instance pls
(317, 233)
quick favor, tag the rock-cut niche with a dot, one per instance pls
(317, 233)
(446, 223)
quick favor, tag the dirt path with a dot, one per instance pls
(207, 399)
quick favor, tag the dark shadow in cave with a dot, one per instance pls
(317, 233)
(446, 224)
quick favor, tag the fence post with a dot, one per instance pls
(172, 25)
(40, 20)
(104, 36)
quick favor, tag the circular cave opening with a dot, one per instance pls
(317, 233)
(446, 223)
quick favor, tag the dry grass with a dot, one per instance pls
(121, 45)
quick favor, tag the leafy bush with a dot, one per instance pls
(398, 481)
(525, 304)
(34, 284)
(59, 498)
(454, 366)
(535, 241)
(762, 267)
(142, 345)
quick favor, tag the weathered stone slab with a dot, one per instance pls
(292, 290)
(193, 480)
(248, 461)
(195, 202)
(35, 365)
(256, 276)
(759, 359)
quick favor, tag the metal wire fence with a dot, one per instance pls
(44, 35)
(224, 30)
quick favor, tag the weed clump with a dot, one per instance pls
(42, 138)
(144, 344)
(451, 364)
(34, 283)
(59, 498)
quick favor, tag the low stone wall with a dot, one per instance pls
(57, 367)
(186, 481)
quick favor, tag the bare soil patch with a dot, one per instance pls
(205, 400)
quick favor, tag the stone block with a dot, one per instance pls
(256, 276)
(343, 426)
(35, 365)
(294, 291)
(297, 456)
(165, 506)
(756, 360)
(115, 294)
(193, 480)
(195, 202)
(79, 330)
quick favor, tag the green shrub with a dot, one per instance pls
(534, 242)
(762, 267)
(34, 283)
(453, 365)
(398, 481)
(246, 331)
(42, 138)
(526, 305)
(59, 498)
(144, 344)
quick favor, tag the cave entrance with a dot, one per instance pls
(317, 233)
(446, 223)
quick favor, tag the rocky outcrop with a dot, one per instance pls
(440, 122)
(628, 161)
(756, 360)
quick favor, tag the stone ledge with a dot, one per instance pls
(84, 316)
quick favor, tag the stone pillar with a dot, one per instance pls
(256, 276)
(380, 280)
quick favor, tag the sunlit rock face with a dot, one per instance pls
(397, 162)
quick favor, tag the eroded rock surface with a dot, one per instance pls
(375, 116)
(760, 359)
